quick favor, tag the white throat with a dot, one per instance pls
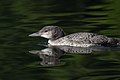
(46, 36)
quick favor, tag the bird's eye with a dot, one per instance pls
(46, 31)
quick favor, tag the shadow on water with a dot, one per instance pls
(18, 18)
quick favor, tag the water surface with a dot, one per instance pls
(19, 18)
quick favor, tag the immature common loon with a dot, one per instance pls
(57, 37)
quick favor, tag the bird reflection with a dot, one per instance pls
(51, 56)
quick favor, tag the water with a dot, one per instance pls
(20, 56)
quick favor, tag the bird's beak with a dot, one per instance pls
(34, 34)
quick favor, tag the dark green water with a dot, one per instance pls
(19, 18)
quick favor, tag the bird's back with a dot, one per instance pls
(81, 39)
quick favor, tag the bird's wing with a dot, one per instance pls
(87, 38)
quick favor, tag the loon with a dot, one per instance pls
(57, 37)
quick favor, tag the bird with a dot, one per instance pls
(57, 37)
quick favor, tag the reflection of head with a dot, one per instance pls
(50, 56)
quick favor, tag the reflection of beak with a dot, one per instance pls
(34, 34)
(35, 52)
